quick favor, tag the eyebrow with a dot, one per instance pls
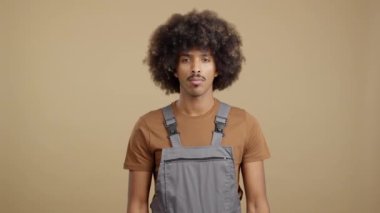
(186, 53)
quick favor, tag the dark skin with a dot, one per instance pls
(196, 98)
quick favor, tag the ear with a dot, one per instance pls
(216, 74)
(175, 75)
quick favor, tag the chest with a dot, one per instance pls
(197, 133)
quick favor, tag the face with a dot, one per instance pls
(196, 71)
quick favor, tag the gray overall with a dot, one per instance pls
(196, 179)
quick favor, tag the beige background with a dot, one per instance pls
(73, 84)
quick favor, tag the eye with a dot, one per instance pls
(184, 59)
(206, 59)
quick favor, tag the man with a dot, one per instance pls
(196, 146)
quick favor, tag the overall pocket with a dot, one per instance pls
(196, 185)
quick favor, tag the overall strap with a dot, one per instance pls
(171, 126)
(220, 123)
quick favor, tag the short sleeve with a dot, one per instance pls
(255, 148)
(139, 156)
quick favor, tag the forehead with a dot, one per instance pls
(195, 52)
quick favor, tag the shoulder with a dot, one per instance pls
(151, 120)
(241, 118)
(242, 115)
(152, 116)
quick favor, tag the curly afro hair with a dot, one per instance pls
(204, 30)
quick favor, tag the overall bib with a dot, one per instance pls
(196, 179)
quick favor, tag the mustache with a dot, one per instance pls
(196, 76)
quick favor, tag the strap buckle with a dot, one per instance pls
(220, 123)
(171, 126)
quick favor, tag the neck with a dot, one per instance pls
(195, 106)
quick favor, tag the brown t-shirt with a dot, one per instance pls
(149, 137)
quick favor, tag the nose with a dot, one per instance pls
(195, 67)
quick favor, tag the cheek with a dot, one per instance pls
(209, 66)
(181, 75)
(211, 71)
(182, 69)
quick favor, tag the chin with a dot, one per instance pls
(195, 94)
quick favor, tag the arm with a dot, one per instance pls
(254, 185)
(138, 191)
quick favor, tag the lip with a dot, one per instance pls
(196, 81)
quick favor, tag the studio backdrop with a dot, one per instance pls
(73, 83)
